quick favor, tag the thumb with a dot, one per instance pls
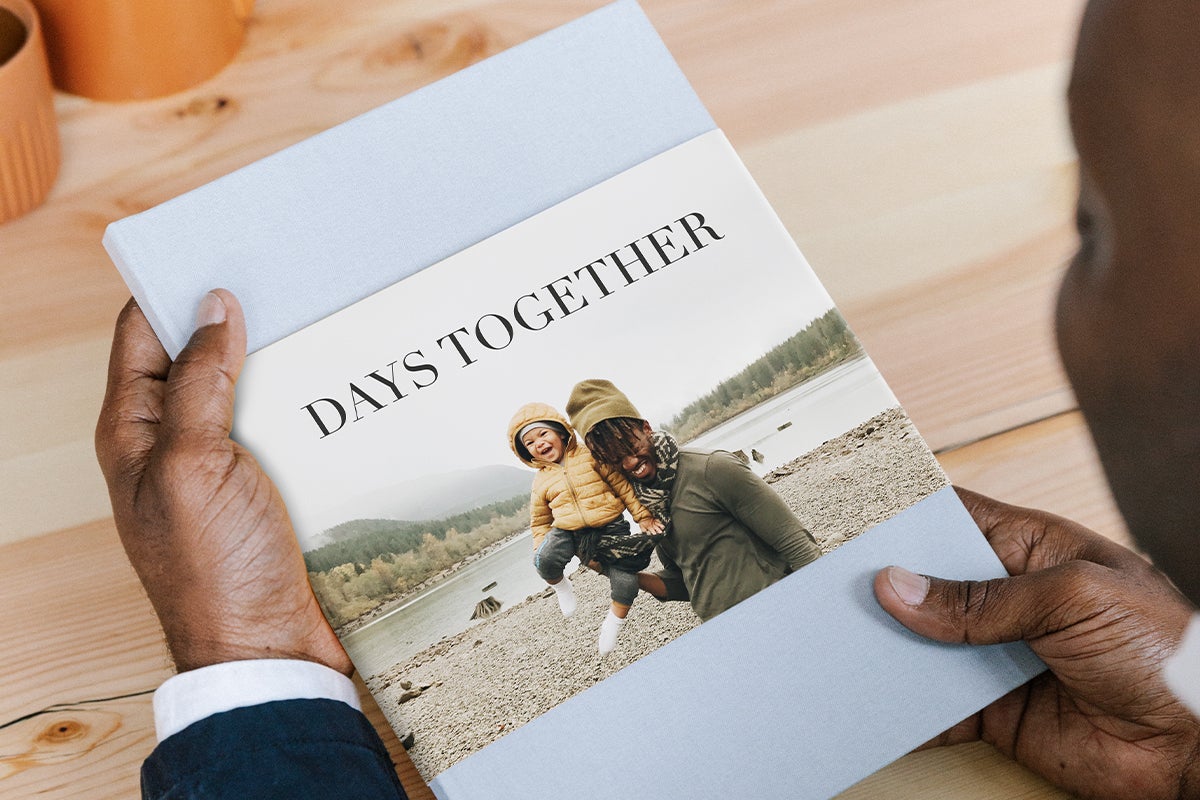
(200, 384)
(1022, 607)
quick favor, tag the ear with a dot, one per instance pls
(646, 429)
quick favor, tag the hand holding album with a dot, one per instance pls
(189, 501)
(1088, 607)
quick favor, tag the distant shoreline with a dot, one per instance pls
(429, 583)
(839, 361)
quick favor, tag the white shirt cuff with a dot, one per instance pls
(1182, 669)
(191, 696)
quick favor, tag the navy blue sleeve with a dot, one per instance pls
(284, 749)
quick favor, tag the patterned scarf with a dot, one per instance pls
(629, 551)
(656, 495)
(632, 552)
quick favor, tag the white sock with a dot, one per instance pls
(565, 595)
(609, 630)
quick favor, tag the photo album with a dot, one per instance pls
(590, 476)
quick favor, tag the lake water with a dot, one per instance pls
(787, 426)
(445, 609)
(804, 417)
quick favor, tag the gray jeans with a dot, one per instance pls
(559, 546)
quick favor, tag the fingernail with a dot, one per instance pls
(212, 310)
(908, 586)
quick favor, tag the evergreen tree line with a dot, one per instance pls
(352, 589)
(824, 343)
(360, 541)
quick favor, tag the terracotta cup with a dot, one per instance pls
(138, 49)
(29, 152)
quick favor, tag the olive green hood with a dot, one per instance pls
(594, 400)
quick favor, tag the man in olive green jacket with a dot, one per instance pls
(729, 536)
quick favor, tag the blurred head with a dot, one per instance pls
(1129, 308)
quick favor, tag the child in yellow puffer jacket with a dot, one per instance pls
(577, 507)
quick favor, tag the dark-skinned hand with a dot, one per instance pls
(203, 526)
(1101, 723)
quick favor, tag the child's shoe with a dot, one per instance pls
(609, 630)
(565, 595)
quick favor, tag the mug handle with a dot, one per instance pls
(242, 9)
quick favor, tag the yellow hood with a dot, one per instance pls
(534, 412)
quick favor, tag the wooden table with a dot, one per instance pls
(917, 150)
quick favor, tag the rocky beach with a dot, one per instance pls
(472, 688)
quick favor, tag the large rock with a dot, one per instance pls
(486, 607)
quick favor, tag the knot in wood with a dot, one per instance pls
(62, 730)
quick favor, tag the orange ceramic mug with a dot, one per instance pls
(28, 131)
(137, 49)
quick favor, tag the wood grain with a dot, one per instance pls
(88, 749)
(1049, 464)
(917, 150)
(964, 772)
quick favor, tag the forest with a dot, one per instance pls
(822, 344)
(379, 560)
(359, 541)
